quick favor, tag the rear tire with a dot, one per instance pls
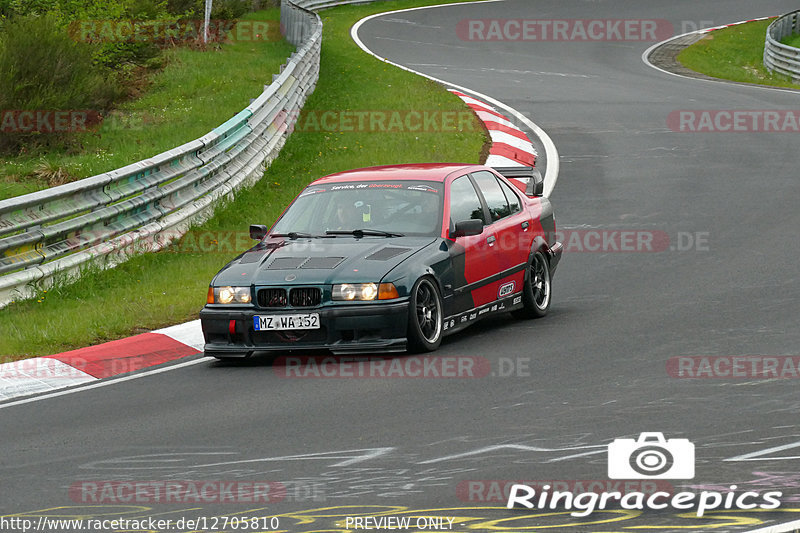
(537, 288)
(424, 317)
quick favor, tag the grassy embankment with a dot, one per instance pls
(734, 53)
(196, 92)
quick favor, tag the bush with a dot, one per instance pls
(66, 10)
(42, 68)
(220, 9)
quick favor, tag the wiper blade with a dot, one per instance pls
(361, 232)
(296, 235)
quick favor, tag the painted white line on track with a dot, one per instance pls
(759, 455)
(104, 383)
(551, 153)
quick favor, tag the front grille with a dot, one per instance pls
(305, 297)
(272, 298)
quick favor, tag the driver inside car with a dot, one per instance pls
(350, 216)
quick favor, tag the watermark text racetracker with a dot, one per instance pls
(42, 121)
(47, 368)
(180, 492)
(496, 490)
(564, 30)
(47, 120)
(735, 367)
(393, 367)
(734, 121)
(625, 240)
(173, 31)
(380, 121)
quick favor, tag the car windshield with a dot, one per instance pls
(376, 207)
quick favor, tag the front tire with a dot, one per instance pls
(424, 317)
(536, 292)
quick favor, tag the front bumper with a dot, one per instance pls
(357, 328)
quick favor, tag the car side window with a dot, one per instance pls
(464, 201)
(513, 199)
(493, 194)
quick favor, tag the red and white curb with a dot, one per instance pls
(510, 145)
(86, 365)
(706, 30)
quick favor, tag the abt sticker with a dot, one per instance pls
(506, 289)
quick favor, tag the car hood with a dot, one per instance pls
(343, 259)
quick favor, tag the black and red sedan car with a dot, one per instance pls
(388, 259)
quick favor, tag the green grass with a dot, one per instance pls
(793, 40)
(195, 93)
(734, 53)
(156, 290)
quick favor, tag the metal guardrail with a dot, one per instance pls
(779, 57)
(105, 219)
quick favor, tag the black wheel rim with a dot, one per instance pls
(540, 281)
(428, 312)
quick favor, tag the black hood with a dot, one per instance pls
(323, 261)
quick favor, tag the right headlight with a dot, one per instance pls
(351, 292)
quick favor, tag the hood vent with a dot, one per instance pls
(387, 253)
(291, 263)
(252, 257)
(287, 263)
(326, 263)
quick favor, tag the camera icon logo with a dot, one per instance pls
(651, 457)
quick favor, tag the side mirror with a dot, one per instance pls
(258, 231)
(468, 227)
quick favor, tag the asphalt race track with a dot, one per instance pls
(720, 278)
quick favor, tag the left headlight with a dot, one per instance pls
(229, 295)
(350, 292)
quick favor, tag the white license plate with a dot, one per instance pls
(281, 322)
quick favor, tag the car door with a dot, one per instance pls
(511, 226)
(472, 257)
